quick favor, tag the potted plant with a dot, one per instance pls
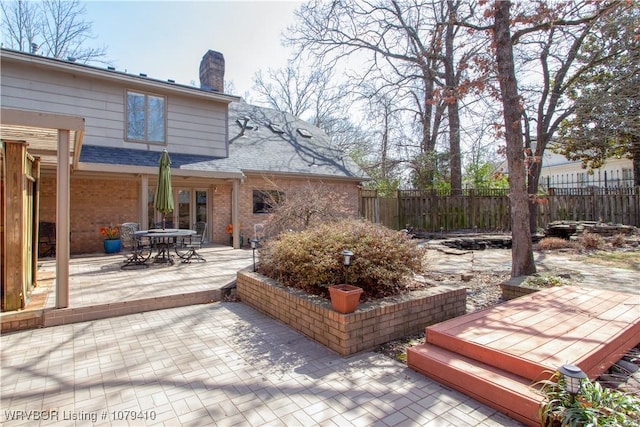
(230, 233)
(344, 297)
(111, 242)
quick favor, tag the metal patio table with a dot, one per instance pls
(164, 239)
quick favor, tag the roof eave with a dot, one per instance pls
(305, 175)
(113, 75)
(148, 170)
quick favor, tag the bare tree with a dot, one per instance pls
(311, 96)
(550, 40)
(21, 24)
(397, 52)
(301, 207)
(400, 44)
(289, 89)
(522, 252)
(56, 26)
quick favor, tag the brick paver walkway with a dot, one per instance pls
(217, 364)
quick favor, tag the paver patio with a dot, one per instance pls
(217, 364)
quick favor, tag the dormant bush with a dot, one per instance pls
(311, 259)
(591, 241)
(551, 243)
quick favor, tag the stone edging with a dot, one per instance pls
(372, 324)
(513, 288)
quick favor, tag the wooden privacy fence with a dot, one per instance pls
(488, 210)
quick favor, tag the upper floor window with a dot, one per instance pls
(146, 117)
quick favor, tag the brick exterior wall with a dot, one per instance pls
(370, 325)
(98, 202)
(94, 203)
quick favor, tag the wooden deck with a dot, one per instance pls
(495, 355)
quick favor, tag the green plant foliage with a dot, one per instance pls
(593, 406)
(311, 259)
(484, 176)
(544, 281)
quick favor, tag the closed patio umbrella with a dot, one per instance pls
(163, 199)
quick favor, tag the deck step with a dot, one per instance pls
(487, 355)
(504, 391)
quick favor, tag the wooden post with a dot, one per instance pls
(62, 221)
(14, 292)
(36, 222)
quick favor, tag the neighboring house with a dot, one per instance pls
(226, 155)
(558, 172)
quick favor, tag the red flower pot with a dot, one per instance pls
(345, 298)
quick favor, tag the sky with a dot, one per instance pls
(167, 39)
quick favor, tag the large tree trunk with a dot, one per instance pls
(533, 178)
(452, 105)
(522, 251)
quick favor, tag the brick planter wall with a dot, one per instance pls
(512, 288)
(372, 324)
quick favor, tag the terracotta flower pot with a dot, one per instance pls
(345, 298)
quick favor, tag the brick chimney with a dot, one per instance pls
(212, 71)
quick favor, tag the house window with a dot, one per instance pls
(265, 200)
(627, 177)
(146, 117)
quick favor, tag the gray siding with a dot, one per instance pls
(194, 125)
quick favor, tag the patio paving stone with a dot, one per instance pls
(221, 363)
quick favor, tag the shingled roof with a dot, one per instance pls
(278, 142)
(261, 140)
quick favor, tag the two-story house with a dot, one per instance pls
(97, 134)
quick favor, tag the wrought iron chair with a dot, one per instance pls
(47, 239)
(139, 248)
(192, 246)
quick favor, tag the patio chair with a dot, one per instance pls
(194, 244)
(139, 248)
(47, 239)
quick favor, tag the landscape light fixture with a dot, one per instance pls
(346, 262)
(254, 246)
(573, 377)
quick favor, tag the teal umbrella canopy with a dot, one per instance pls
(163, 199)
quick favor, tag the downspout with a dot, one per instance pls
(144, 198)
(235, 213)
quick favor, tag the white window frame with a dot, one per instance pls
(145, 137)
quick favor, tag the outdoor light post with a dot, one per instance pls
(254, 246)
(573, 377)
(347, 262)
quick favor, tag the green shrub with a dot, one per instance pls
(593, 406)
(311, 259)
(542, 281)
